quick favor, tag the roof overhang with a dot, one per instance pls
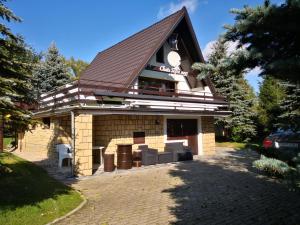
(132, 111)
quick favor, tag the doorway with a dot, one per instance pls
(184, 129)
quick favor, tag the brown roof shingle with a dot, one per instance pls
(122, 62)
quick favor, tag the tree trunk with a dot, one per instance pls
(1, 133)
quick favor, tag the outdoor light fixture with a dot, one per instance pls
(157, 122)
(173, 41)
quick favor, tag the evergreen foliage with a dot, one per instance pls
(290, 107)
(233, 86)
(270, 37)
(50, 73)
(16, 61)
(270, 98)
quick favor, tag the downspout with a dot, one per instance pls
(73, 142)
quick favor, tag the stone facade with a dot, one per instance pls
(102, 130)
(42, 139)
(110, 130)
(208, 135)
(83, 144)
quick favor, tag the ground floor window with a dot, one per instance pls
(177, 128)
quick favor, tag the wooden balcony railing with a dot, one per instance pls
(81, 91)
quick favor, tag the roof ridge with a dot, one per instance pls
(179, 11)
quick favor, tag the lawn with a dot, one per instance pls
(7, 141)
(28, 195)
(238, 145)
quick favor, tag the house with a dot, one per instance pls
(141, 90)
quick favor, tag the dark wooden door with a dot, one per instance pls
(187, 129)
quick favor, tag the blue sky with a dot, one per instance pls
(83, 28)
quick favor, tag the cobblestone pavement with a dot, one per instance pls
(223, 189)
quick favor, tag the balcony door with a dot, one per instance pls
(184, 129)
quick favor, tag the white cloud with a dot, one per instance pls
(231, 47)
(254, 71)
(208, 49)
(191, 6)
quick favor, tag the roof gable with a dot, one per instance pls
(120, 64)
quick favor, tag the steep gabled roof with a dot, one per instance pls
(123, 62)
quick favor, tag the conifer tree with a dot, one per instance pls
(270, 36)
(51, 72)
(234, 87)
(290, 106)
(271, 95)
(15, 74)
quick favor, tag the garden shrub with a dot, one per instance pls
(272, 166)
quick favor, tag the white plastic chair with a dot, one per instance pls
(64, 152)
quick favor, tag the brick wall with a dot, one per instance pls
(208, 137)
(110, 130)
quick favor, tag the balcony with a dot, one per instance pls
(107, 95)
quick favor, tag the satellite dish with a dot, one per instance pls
(174, 59)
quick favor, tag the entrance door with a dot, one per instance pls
(184, 129)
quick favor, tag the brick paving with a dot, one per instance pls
(210, 190)
(222, 189)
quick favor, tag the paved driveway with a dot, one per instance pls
(211, 190)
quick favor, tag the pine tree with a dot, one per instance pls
(50, 73)
(270, 36)
(290, 107)
(234, 87)
(15, 75)
(271, 96)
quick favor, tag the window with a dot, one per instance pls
(46, 122)
(180, 128)
(160, 55)
(138, 137)
(156, 85)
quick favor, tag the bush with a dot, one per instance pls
(272, 166)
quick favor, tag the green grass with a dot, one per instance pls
(28, 195)
(7, 141)
(227, 144)
(238, 145)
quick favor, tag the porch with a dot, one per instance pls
(95, 134)
(99, 134)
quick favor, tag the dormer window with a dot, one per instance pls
(160, 55)
(173, 42)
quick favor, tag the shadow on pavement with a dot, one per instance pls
(226, 190)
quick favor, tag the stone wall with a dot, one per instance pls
(208, 136)
(110, 130)
(83, 144)
(42, 139)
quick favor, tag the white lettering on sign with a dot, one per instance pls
(173, 70)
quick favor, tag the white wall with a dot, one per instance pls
(182, 84)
